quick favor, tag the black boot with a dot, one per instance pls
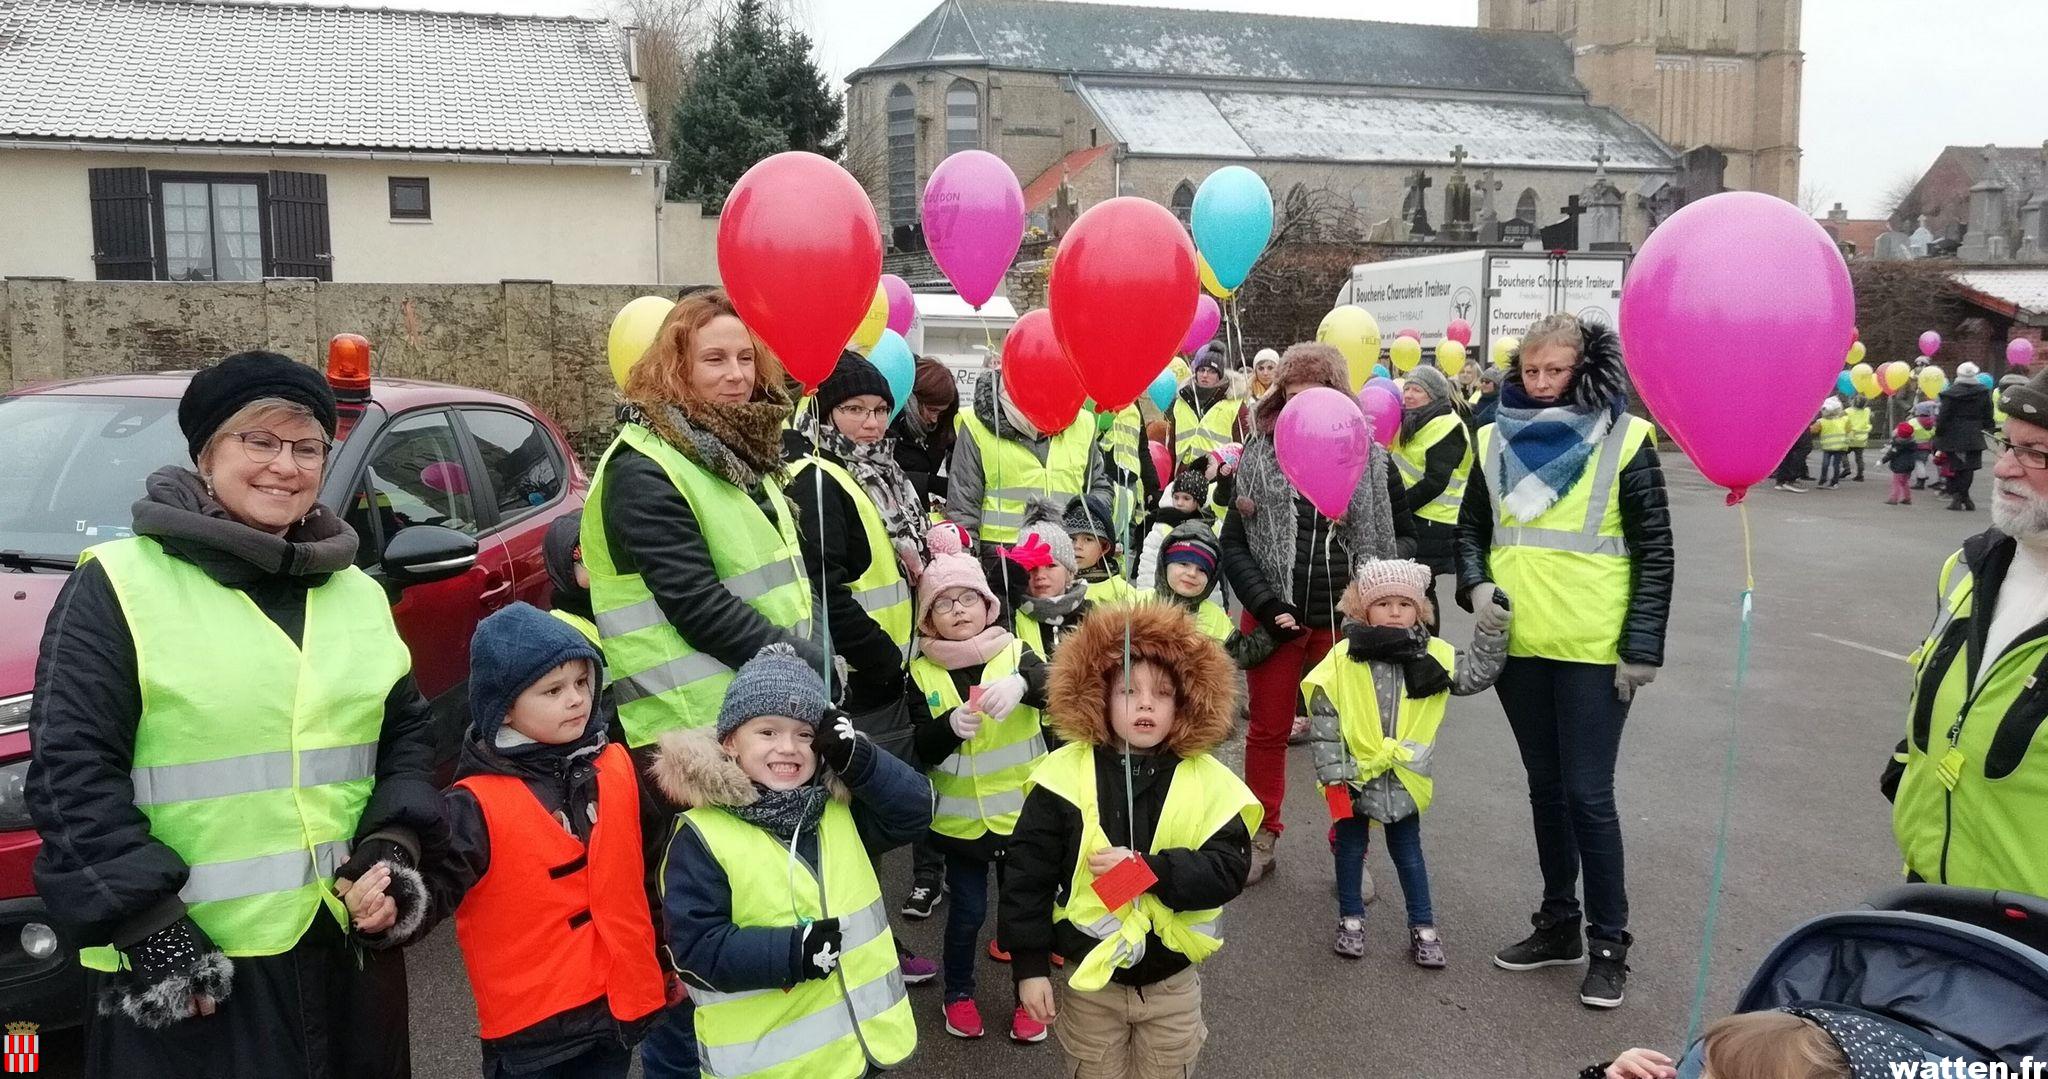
(1606, 973)
(1555, 943)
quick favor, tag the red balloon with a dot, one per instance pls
(1037, 376)
(801, 256)
(1123, 292)
(1162, 461)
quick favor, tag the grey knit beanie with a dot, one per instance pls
(1042, 519)
(776, 682)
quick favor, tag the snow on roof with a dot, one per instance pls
(303, 75)
(1188, 121)
(2026, 291)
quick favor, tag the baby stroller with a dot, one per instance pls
(1960, 973)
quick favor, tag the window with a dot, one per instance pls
(416, 477)
(211, 227)
(902, 156)
(1525, 207)
(519, 458)
(409, 201)
(963, 117)
(1184, 201)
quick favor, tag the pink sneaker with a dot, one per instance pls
(1025, 1029)
(963, 1020)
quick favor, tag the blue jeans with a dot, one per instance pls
(670, 1049)
(1404, 845)
(1567, 723)
(966, 910)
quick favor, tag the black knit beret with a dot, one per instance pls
(854, 376)
(215, 394)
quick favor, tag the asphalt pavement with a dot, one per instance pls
(1843, 591)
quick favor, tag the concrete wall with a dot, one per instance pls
(689, 245)
(567, 223)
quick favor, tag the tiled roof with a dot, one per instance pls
(2016, 291)
(1194, 121)
(304, 76)
(1047, 184)
(1100, 39)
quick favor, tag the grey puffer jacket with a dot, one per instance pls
(966, 478)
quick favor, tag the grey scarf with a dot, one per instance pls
(783, 814)
(1367, 530)
(1049, 609)
(177, 510)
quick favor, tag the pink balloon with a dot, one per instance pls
(1410, 332)
(1739, 289)
(973, 222)
(1384, 383)
(902, 305)
(1203, 330)
(1323, 447)
(2019, 352)
(1382, 407)
(1930, 343)
(1460, 331)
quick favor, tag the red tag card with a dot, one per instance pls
(1124, 883)
(974, 698)
(1338, 795)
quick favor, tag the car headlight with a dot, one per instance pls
(14, 710)
(14, 797)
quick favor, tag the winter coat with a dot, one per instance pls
(1965, 417)
(891, 804)
(1900, 456)
(934, 740)
(104, 878)
(1322, 554)
(924, 455)
(1045, 847)
(835, 550)
(966, 479)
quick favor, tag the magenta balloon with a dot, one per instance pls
(1203, 330)
(1736, 290)
(973, 222)
(1323, 447)
(1382, 408)
(1410, 332)
(902, 305)
(1460, 331)
(2019, 352)
(1930, 343)
(1384, 383)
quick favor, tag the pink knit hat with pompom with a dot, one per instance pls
(951, 567)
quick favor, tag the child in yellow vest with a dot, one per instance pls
(1096, 548)
(1131, 841)
(1187, 576)
(1375, 704)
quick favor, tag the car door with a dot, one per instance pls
(522, 482)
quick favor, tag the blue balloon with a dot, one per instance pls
(1379, 370)
(1989, 382)
(1845, 385)
(1233, 219)
(891, 356)
(1162, 389)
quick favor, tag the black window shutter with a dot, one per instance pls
(120, 224)
(298, 226)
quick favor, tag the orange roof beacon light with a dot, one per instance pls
(348, 366)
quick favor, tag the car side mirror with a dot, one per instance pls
(422, 554)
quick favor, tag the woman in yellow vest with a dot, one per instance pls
(1143, 695)
(1205, 411)
(774, 915)
(1434, 457)
(226, 733)
(1001, 461)
(1566, 515)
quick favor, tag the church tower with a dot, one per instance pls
(1719, 73)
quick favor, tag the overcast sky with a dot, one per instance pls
(1884, 90)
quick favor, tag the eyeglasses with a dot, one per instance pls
(947, 604)
(856, 412)
(2028, 456)
(262, 448)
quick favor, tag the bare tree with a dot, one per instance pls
(1901, 201)
(1814, 197)
(667, 36)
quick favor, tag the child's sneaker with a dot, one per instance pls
(963, 1019)
(923, 899)
(1425, 947)
(997, 954)
(1025, 1029)
(917, 970)
(1350, 941)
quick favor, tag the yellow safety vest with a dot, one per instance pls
(1348, 683)
(841, 1026)
(1859, 427)
(254, 756)
(659, 680)
(1194, 436)
(1923, 435)
(1212, 619)
(581, 625)
(1202, 798)
(1567, 570)
(980, 788)
(1112, 589)
(881, 590)
(1011, 475)
(1411, 456)
(1122, 444)
(1834, 433)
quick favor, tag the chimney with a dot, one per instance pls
(630, 44)
(1838, 215)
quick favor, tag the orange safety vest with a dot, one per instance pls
(552, 925)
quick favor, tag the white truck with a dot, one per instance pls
(1499, 292)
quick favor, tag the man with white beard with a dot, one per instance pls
(1970, 781)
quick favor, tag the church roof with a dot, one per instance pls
(1043, 35)
(1193, 121)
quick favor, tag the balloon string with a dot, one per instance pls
(824, 603)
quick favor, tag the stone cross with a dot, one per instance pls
(1489, 218)
(1415, 205)
(1458, 202)
(1600, 158)
(1458, 156)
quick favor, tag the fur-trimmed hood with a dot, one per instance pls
(1598, 380)
(1205, 678)
(692, 769)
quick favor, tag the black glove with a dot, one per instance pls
(1271, 617)
(1424, 677)
(165, 971)
(839, 746)
(368, 853)
(820, 948)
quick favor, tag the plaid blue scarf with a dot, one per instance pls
(1545, 448)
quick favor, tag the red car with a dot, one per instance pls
(451, 490)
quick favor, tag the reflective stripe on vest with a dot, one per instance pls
(1411, 456)
(1011, 475)
(1195, 436)
(846, 1024)
(1408, 751)
(1121, 444)
(544, 894)
(257, 778)
(980, 788)
(1201, 798)
(1923, 435)
(880, 590)
(1834, 433)
(659, 680)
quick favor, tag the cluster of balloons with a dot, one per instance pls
(1893, 377)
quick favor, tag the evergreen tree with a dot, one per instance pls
(755, 92)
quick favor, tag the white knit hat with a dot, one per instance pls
(1381, 578)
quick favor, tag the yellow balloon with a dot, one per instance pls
(1353, 332)
(1406, 352)
(633, 329)
(1892, 377)
(873, 323)
(1450, 357)
(1864, 377)
(1209, 283)
(1181, 371)
(1856, 354)
(1933, 380)
(1504, 350)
